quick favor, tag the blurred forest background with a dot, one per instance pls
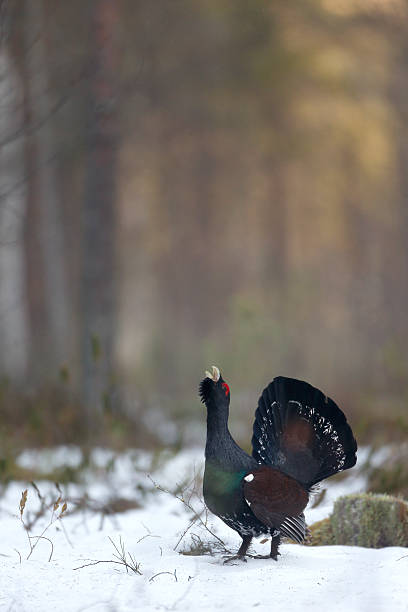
(187, 183)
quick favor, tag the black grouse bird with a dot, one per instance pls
(300, 436)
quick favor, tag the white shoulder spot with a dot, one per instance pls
(249, 477)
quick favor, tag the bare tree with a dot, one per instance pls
(45, 268)
(98, 288)
(13, 329)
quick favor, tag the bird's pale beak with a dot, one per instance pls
(215, 376)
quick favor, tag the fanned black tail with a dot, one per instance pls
(301, 432)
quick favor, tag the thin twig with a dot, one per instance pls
(148, 535)
(26, 529)
(97, 562)
(19, 554)
(120, 552)
(121, 556)
(193, 522)
(161, 574)
(134, 569)
(134, 563)
(188, 505)
(41, 537)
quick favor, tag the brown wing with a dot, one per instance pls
(277, 500)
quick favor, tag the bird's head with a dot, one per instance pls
(213, 390)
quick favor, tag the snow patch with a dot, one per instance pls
(333, 577)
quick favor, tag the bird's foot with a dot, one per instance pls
(229, 559)
(273, 556)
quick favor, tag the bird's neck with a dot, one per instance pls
(218, 435)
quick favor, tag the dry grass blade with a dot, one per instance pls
(23, 501)
(43, 508)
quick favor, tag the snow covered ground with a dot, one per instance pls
(318, 578)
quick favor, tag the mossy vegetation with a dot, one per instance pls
(321, 533)
(364, 519)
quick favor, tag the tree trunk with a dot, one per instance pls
(98, 291)
(13, 330)
(395, 279)
(45, 270)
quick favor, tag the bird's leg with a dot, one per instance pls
(274, 549)
(274, 546)
(246, 540)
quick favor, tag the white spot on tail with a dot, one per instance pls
(249, 477)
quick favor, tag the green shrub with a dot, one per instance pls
(364, 519)
(321, 533)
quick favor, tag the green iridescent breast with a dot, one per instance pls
(219, 482)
